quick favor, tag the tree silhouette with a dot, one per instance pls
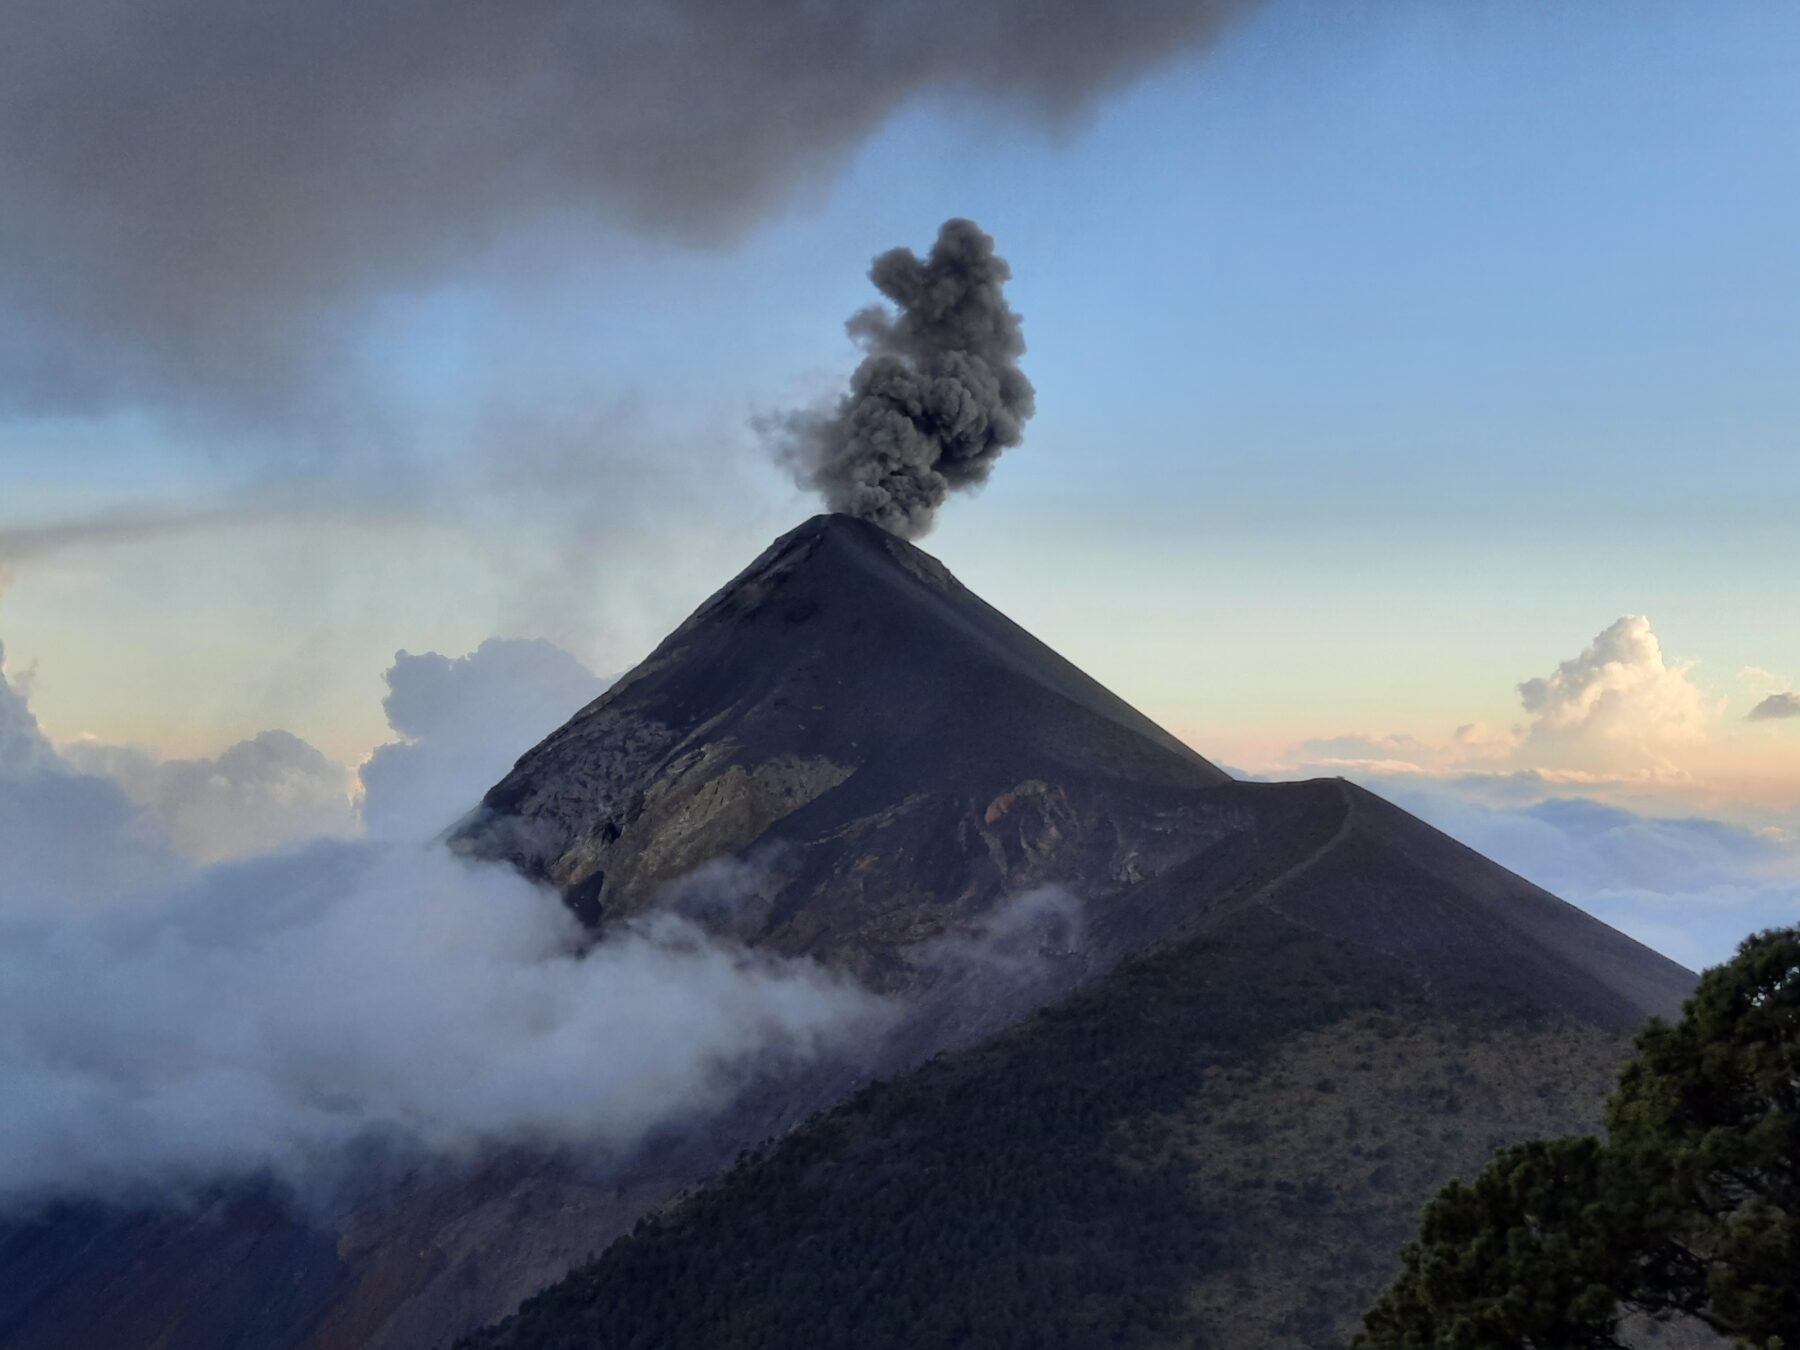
(1690, 1205)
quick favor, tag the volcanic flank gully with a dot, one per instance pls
(1179, 1057)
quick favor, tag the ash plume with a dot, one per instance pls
(938, 398)
(200, 200)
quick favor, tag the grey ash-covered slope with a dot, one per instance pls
(898, 763)
(895, 751)
(903, 758)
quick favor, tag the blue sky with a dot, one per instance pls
(1386, 354)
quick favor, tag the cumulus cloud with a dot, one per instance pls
(1618, 699)
(272, 1014)
(196, 195)
(270, 790)
(1612, 721)
(1619, 711)
(68, 840)
(462, 722)
(1776, 707)
(24, 748)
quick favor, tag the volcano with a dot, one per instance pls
(1237, 1034)
(906, 758)
(847, 706)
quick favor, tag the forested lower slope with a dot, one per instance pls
(1221, 1144)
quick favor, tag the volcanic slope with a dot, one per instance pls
(909, 787)
(1223, 1142)
(1325, 1007)
(896, 753)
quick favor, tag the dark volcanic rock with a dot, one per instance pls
(899, 753)
(909, 773)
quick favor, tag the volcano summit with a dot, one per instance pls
(906, 758)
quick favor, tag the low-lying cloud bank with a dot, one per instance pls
(172, 1020)
(168, 1025)
(1617, 719)
(461, 723)
(256, 795)
(1690, 887)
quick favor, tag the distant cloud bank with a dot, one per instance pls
(1775, 708)
(169, 1025)
(1617, 718)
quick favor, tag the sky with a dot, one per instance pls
(1388, 358)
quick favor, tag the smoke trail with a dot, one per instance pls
(938, 398)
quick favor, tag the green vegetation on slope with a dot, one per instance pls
(952, 1208)
(1689, 1207)
(1086, 1179)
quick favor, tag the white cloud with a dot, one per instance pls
(1617, 703)
(1612, 722)
(463, 721)
(68, 840)
(271, 790)
(23, 746)
(266, 1014)
(1618, 712)
(1017, 941)
(1473, 743)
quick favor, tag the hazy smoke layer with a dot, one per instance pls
(193, 192)
(20, 544)
(168, 1026)
(938, 397)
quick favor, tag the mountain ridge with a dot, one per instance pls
(896, 771)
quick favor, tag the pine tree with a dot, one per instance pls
(1690, 1206)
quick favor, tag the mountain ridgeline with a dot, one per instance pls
(1199, 1101)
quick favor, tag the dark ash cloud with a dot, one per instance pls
(196, 195)
(938, 398)
(1775, 707)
